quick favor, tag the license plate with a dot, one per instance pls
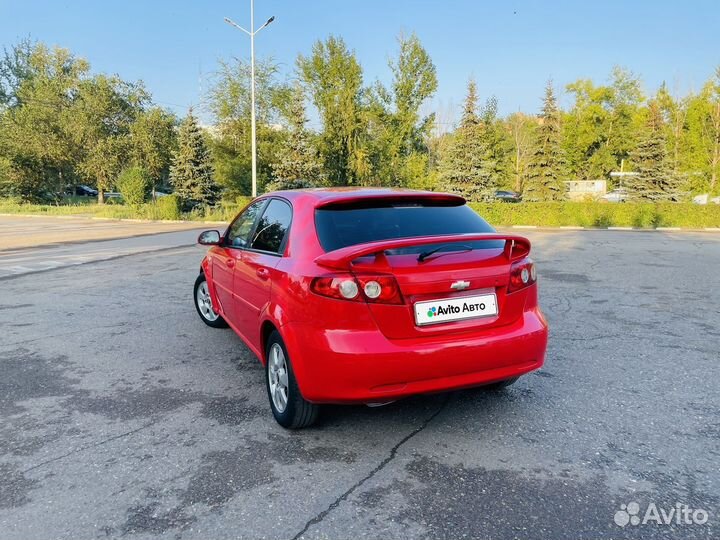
(455, 309)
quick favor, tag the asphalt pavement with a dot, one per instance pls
(20, 231)
(122, 415)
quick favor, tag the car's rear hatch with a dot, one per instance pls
(472, 263)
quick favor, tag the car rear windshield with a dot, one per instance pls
(342, 226)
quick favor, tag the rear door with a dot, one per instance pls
(463, 270)
(256, 272)
(228, 256)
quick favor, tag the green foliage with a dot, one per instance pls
(334, 79)
(466, 165)
(152, 142)
(168, 207)
(595, 214)
(521, 129)
(397, 133)
(229, 103)
(60, 125)
(39, 89)
(99, 124)
(191, 173)
(298, 164)
(700, 158)
(134, 184)
(656, 181)
(549, 214)
(545, 167)
(601, 128)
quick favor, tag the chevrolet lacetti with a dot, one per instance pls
(371, 295)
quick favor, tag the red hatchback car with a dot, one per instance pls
(370, 295)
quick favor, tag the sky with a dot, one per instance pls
(511, 48)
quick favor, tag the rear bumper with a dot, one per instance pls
(346, 366)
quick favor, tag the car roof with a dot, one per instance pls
(337, 195)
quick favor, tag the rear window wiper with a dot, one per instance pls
(425, 254)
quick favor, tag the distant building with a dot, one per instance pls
(578, 190)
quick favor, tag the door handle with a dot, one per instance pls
(230, 263)
(263, 273)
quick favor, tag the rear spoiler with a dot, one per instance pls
(516, 247)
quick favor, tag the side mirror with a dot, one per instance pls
(209, 238)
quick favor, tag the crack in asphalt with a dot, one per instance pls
(393, 452)
(83, 448)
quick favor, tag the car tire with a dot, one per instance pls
(499, 385)
(201, 299)
(288, 406)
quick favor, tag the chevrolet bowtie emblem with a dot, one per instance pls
(460, 285)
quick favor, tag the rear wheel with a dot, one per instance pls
(288, 406)
(499, 385)
(203, 304)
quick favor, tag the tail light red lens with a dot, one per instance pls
(372, 288)
(522, 274)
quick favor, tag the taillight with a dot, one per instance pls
(522, 274)
(373, 288)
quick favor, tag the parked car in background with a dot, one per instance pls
(371, 295)
(507, 196)
(616, 195)
(82, 191)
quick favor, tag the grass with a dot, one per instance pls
(551, 214)
(601, 215)
(164, 208)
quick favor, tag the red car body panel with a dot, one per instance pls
(357, 351)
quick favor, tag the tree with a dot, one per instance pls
(191, 172)
(626, 120)
(100, 120)
(464, 168)
(545, 169)
(229, 103)
(522, 133)
(39, 87)
(584, 131)
(674, 112)
(656, 180)
(414, 82)
(496, 143)
(16, 67)
(333, 77)
(397, 132)
(152, 141)
(298, 164)
(134, 183)
(701, 158)
(600, 129)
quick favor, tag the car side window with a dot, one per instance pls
(239, 231)
(272, 227)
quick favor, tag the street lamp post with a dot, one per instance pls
(252, 33)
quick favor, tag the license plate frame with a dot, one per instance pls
(479, 306)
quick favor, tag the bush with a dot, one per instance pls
(134, 185)
(167, 207)
(596, 214)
